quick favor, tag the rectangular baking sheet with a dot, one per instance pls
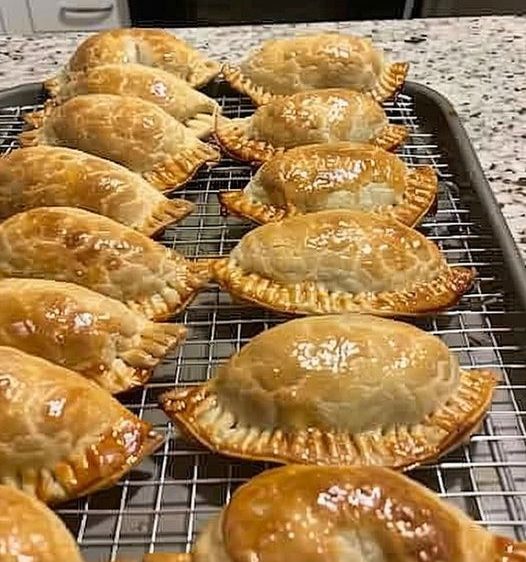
(162, 504)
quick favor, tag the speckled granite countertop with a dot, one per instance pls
(478, 63)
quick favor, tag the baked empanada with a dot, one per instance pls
(172, 94)
(341, 389)
(352, 514)
(150, 47)
(125, 129)
(317, 116)
(53, 176)
(62, 436)
(84, 331)
(340, 175)
(324, 60)
(73, 245)
(341, 261)
(30, 532)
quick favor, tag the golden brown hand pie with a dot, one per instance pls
(317, 116)
(341, 389)
(324, 60)
(341, 261)
(150, 47)
(125, 129)
(172, 94)
(30, 532)
(73, 245)
(353, 514)
(62, 436)
(84, 331)
(54, 176)
(331, 176)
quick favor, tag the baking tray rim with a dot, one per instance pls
(459, 143)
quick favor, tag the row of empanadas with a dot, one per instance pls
(331, 514)
(308, 62)
(339, 175)
(56, 176)
(316, 116)
(99, 337)
(343, 390)
(341, 261)
(63, 436)
(125, 129)
(66, 244)
(277, 67)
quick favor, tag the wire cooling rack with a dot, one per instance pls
(162, 505)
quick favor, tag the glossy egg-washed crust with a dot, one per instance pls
(342, 390)
(125, 129)
(99, 337)
(150, 47)
(390, 82)
(63, 436)
(323, 60)
(316, 116)
(373, 248)
(324, 514)
(167, 91)
(42, 176)
(30, 532)
(76, 246)
(301, 172)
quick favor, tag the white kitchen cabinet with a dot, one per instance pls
(14, 16)
(25, 16)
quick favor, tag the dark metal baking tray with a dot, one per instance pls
(161, 505)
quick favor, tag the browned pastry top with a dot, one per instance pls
(30, 532)
(343, 372)
(62, 435)
(329, 514)
(49, 175)
(343, 250)
(73, 245)
(164, 89)
(313, 177)
(150, 47)
(328, 115)
(322, 60)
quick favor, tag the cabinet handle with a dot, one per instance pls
(87, 10)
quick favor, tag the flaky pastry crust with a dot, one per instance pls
(316, 116)
(174, 95)
(127, 130)
(31, 532)
(149, 47)
(62, 435)
(324, 60)
(44, 176)
(342, 390)
(324, 514)
(76, 246)
(341, 261)
(317, 177)
(84, 331)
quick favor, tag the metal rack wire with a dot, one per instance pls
(161, 505)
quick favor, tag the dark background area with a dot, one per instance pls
(174, 13)
(223, 12)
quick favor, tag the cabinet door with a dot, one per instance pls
(69, 15)
(14, 17)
